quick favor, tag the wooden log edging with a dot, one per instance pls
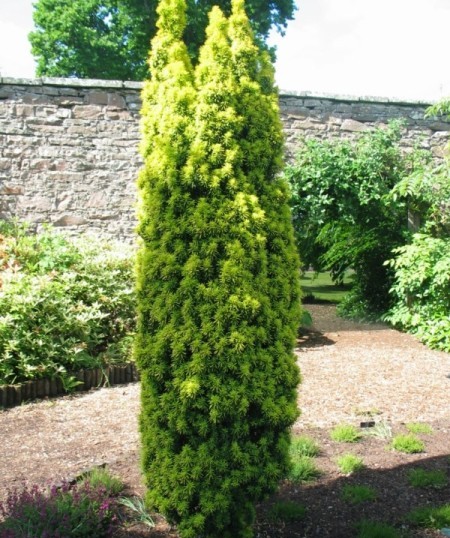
(12, 395)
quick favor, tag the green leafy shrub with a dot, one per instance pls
(409, 444)
(79, 511)
(64, 305)
(218, 292)
(431, 517)
(349, 463)
(345, 433)
(421, 478)
(358, 494)
(344, 216)
(422, 290)
(287, 511)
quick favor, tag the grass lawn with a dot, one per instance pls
(319, 287)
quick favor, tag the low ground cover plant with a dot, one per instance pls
(358, 493)
(349, 463)
(409, 444)
(375, 529)
(419, 428)
(64, 304)
(345, 433)
(431, 517)
(79, 511)
(303, 446)
(421, 478)
(287, 511)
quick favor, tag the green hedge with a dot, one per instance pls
(64, 305)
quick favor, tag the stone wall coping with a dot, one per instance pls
(136, 85)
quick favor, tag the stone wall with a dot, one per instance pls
(69, 148)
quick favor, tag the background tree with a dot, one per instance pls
(110, 38)
(218, 290)
(345, 216)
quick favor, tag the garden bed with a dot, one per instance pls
(12, 395)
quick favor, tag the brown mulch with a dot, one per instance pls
(351, 372)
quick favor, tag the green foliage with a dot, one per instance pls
(287, 511)
(218, 294)
(101, 478)
(303, 469)
(381, 430)
(343, 213)
(79, 511)
(349, 463)
(429, 517)
(422, 290)
(63, 304)
(345, 433)
(137, 510)
(421, 478)
(419, 427)
(303, 446)
(409, 444)
(358, 494)
(110, 38)
(374, 529)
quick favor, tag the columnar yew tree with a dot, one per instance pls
(217, 281)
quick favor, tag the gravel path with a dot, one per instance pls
(347, 369)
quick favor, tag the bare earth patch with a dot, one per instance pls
(351, 372)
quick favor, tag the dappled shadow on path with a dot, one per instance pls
(308, 339)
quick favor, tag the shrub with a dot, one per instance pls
(422, 290)
(80, 511)
(344, 216)
(349, 463)
(409, 444)
(218, 272)
(421, 478)
(64, 305)
(358, 494)
(345, 433)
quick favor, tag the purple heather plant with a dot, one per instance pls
(78, 511)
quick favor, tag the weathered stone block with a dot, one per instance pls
(70, 220)
(96, 98)
(354, 126)
(87, 111)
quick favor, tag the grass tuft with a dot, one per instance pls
(421, 478)
(418, 428)
(358, 494)
(432, 518)
(303, 446)
(102, 478)
(381, 430)
(374, 529)
(287, 511)
(345, 433)
(304, 470)
(349, 463)
(409, 444)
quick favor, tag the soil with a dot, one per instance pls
(352, 373)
